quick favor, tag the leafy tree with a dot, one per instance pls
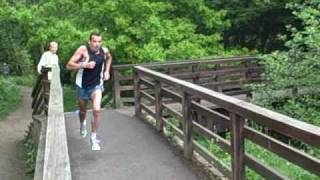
(295, 74)
(12, 42)
(255, 24)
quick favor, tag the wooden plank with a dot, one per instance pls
(176, 130)
(36, 95)
(173, 111)
(263, 169)
(37, 99)
(187, 126)
(195, 69)
(221, 166)
(116, 88)
(147, 83)
(291, 154)
(210, 73)
(202, 61)
(56, 157)
(38, 173)
(38, 105)
(148, 110)
(169, 93)
(36, 87)
(174, 63)
(214, 116)
(127, 99)
(236, 92)
(158, 104)
(147, 96)
(137, 93)
(126, 88)
(221, 142)
(125, 78)
(237, 144)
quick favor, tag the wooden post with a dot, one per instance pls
(137, 96)
(158, 104)
(195, 79)
(218, 78)
(116, 89)
(247, 75)
(237, 143)
(46, 91)
(187, 125)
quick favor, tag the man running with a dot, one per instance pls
(93, 64)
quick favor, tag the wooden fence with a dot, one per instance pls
(227, 75)
(48, 128)
(153, 87)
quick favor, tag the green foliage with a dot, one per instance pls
(272, 160)
(26, 80)
(12, 46)
(9, 96)
(70, 101)
(295, 71)
(255, 24)
(30, 154)
(136, 30)
(264, 156)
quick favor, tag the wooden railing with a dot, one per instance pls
(227, 75)
(152, 87)
(48, 128)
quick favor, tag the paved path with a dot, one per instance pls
(12, 131)
(131, 150)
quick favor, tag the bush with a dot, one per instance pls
(30, 154)
(9, 96)
(27, 80)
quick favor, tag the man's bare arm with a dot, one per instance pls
(74, 62)
(108, 62)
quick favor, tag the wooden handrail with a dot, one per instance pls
(122, 84)
(52, 156)
(238, 112)
(186, 62)
(307, 132)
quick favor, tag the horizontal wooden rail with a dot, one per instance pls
(52, 155)
(198, 71)
(231, 114)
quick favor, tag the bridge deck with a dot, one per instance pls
(131, 150)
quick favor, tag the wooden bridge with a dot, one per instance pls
(182, 100)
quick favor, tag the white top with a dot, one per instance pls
(47, 60)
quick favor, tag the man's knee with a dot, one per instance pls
(96, 111)
(82, 112)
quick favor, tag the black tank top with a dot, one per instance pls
(93, 77)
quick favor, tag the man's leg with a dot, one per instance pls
(96, 102)
(82, 117)
(83, 110)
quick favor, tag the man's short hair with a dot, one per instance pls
(94, 34)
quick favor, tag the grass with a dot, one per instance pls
(26, 80)
(10, 96)
(266, 157)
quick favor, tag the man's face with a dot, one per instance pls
(53, 48)
(95, 42)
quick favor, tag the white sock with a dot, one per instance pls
(83, 124)
(93, 135)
